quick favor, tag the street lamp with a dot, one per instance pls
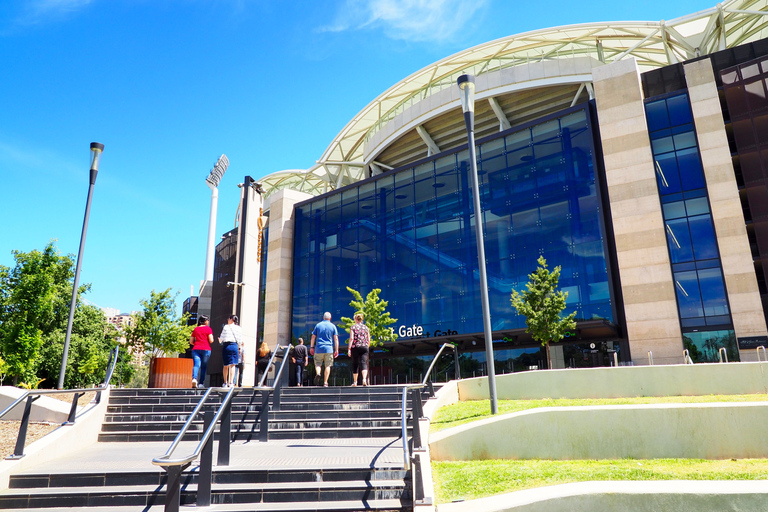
(96, 150)
(467, 94)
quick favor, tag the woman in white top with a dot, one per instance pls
(231, 344)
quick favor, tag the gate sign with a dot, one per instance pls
(218, 171)
(752, 342)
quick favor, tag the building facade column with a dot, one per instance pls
(725, 204)
(279, 279)
(650, 305)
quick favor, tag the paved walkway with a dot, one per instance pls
(276, 454)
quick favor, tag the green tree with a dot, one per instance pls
(157, 329)
(541, 303)
(92, 340)
(376, 316)
(33, 303)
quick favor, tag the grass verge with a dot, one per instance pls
(467, 480)
(465, 412)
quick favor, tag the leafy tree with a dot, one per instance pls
(541, 304)
(376, 316)
(92, 340)
(33, 303)
(157, 330)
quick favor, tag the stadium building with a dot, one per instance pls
(632, 154)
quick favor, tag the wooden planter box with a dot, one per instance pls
(170, 372)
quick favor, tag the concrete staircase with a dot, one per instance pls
(343, 472)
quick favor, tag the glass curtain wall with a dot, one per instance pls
(410, 234)
(697, 272)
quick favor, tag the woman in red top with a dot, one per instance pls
(201, 340)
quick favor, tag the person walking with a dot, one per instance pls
(359, 340)
(201, 339)
(300, 358)
(231, 340)
(262, 360)
(326, 338)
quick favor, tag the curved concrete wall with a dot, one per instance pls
(624, 381)
(680, 496)
(707, 431)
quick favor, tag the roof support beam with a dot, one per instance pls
(503, 121)
(432, 148)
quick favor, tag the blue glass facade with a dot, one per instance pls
(696, 268)
(410, 233)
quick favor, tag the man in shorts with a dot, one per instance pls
(324, 346)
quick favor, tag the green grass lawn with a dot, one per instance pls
(467, 480)
(473, 410)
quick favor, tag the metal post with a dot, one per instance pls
(457, 370)
(615, 359)
(225, 434)
(18, 452)
(73, 409)
(205, 473)
(97, 149)
(469, 119)
(264, 417)
(722, 354)
(416, 414)
(173, 494)
(650, 357)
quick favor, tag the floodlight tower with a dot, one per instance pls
(212, 181)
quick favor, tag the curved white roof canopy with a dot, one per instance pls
(652, 44)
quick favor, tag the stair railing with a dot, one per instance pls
(427, 381)
(416, 414)
(274, 390)
(757, 350)
(722, 353)
(687, 357)
(33, 394)
(204, 450)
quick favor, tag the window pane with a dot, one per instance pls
(688, 296)
(713, 292)
(679, 240)
(656, 113)
(679, 110)
(691, 175)
(667, 174)
(703, 235)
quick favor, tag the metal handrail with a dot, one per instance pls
(33, 394)
(758, 353)
(722, 352)
(165, 460)
(269, 365)
(650, 357)
(687, 357)
(404, 423)
(437, 356)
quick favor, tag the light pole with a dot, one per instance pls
(467, 94)
(96, 150)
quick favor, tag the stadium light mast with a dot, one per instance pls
(96, 151)
(466, 85)
(212, 181)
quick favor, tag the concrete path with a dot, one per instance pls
(277, 454)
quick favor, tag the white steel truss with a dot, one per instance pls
(652, 44)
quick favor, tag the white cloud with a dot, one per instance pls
(410, 20)
(42, 11)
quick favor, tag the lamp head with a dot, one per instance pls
(466, 85)
(96, 150)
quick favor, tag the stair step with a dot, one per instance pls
(220, 476)
(389, 505)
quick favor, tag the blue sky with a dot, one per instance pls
(169, 85)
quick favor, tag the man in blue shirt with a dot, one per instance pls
(324, 346)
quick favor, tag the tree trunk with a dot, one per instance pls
(549, 357)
